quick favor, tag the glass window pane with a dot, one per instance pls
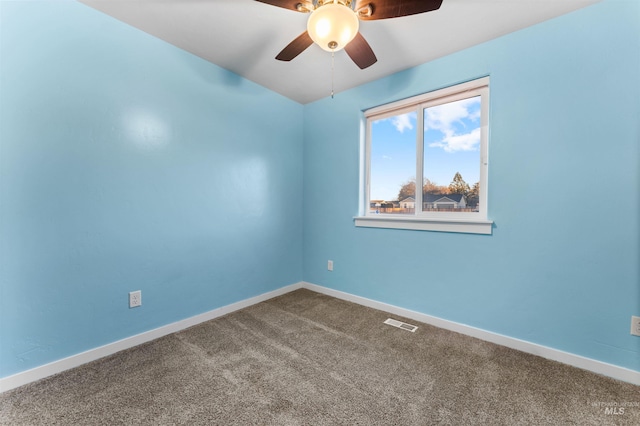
(452, 156)
(393, 165)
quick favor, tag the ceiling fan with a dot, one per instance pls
(333, 24)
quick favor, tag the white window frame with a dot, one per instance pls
(466, 222)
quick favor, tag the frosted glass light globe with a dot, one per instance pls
(332, 26)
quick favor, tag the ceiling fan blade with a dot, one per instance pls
(295, 48)
(383, 9)
(286, 4)
(360, 52)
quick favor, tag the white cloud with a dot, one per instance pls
(402, 122)
(464, 142)
(445, 117)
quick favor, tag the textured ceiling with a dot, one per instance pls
(244, 36)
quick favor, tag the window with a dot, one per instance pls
(439, 139)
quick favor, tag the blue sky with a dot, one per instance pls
(451, 144)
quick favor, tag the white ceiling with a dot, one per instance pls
(244, 36)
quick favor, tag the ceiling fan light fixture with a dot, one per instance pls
(332, 26)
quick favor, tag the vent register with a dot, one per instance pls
(402, 325)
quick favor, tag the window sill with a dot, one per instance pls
(468, 226)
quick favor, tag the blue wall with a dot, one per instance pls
(128, 164)
(562, 266)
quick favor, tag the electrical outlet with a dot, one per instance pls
(330, 265)
(635, 326)
(135, 298)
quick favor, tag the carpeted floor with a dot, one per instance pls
(309, 359)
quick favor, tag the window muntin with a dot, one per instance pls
(450, 131)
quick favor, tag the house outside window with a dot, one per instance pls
(438, 139)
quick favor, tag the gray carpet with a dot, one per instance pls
(309, 359)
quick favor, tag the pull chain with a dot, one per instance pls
(332, 69)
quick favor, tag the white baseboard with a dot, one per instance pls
(22, 378)
(599, 367)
